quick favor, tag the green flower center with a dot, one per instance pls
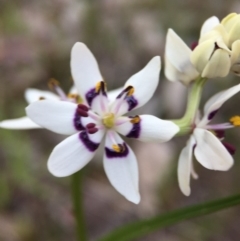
(108, 120)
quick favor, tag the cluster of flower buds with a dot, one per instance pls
(218, 49)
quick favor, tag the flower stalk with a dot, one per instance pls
(194, 97)
(78, 210)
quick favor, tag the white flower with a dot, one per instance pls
(206, 142)
(31, 95)
(89, 123)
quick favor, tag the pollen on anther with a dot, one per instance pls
(52, 83)
(235, 120)
(118, 148)
(135, 119)
(130, 91)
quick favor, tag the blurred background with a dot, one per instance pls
(35, 42)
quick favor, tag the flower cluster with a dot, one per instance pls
(91, 115)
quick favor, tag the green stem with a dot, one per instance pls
(194, 97)
(138, 229)
(77, 198)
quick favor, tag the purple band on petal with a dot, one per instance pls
(90, 145)
(132, 102)
(113, 154)
(231, 149)
(91, 94)
(212, 114)
(77, 122)
(135, 131)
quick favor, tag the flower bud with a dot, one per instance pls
(232, 25)
(235, 58)
(212, 58)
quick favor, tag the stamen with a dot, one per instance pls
(118, 148)
(52, 83)
(101, 86)
(235, 120)
(135, 119)
(82, 110)
(90, 125)
(92, 130)
(83, 107)
(130, 91)
(42, 98)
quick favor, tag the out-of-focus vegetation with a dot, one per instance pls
(35, 42)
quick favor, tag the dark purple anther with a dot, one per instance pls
(90, 125)
(82, 113)
(92, 130)
(89, 144)
(212, 114)
(83, 107)
(219, 133)
(110, 153)
(231, 149)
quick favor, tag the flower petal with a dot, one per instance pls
(112, 94)
(58, 116)
(210, 152)
(185, 167)
(138, 89)
(32, 95)
(73, 153)
(121, 167)
(22, 123)
(85, 70)
(147, 128)
(209, 24)
(215, 102)
(218, 66)
(178, 54)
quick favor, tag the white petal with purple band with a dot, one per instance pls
(143, 85)
(58, 116)
(85, 70)
(121, 168)
(210, 152)
(147, 128)
(215, 102)
(73, 153)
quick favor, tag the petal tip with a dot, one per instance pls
(134, 198)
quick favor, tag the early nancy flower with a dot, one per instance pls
(206, 142)
(87, 124)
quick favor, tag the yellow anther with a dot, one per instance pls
(135, 119)
(108, 120)
(116, 148)
(99, 86)
(75, 97)
(52, 83)
(131, 91)
(235, 120)
(41, 98)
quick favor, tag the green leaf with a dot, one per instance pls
(138, 229)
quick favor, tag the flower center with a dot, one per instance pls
(108, 120)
